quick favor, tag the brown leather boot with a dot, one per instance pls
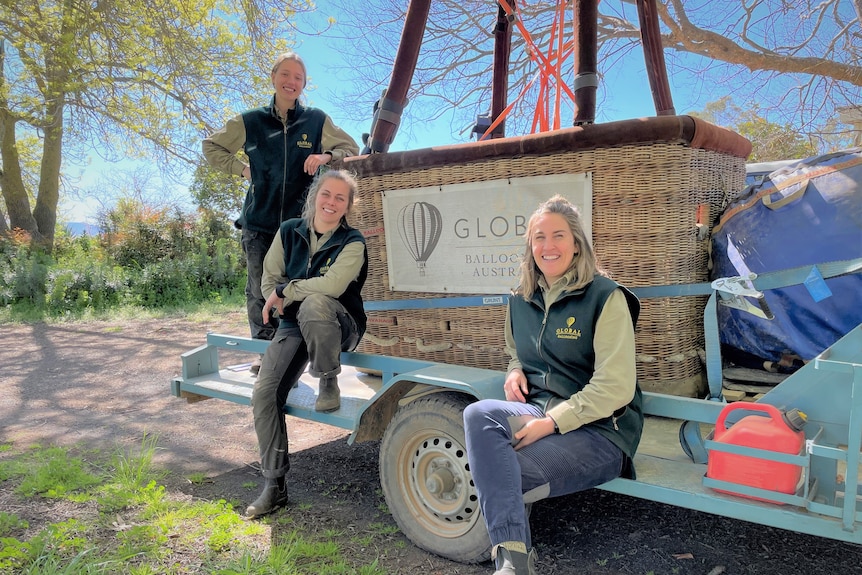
(328, 395)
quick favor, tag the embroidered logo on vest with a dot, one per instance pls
(568, 332)
(325, 267)
(304, 143)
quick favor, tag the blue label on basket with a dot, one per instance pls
(817, 285)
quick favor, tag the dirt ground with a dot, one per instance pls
(105, 384)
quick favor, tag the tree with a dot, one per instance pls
(799, 60)
(216, 193)
(770, 141)
(126, 79)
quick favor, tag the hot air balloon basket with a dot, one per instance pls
(650, 206)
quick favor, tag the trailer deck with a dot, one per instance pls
(670, 465)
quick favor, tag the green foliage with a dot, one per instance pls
(144, 257)
(134, 79)
(60, 549)
(296, 555)
(23, 271)
(13, 554)
(90, 286)
(133, 472)
(770, 141)
(198, 478)
(10, 522)
(136, 235)
(774, 141)
(133, 479)
(54, 473)
(172, 258)
(140, 540)
(10, 468)
(217, 193)
(162, 283)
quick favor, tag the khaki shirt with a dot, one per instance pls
(221, 147)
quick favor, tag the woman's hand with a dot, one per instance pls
(246, 173)
(533, 431)
(273, 301)
(314, 161)
(516, 386)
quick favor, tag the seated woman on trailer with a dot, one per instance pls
(572, 418)
(314, 272)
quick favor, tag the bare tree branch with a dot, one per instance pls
(753, 49)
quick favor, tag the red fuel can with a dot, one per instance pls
(777, 431)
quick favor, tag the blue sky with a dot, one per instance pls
(624, 94)
(624, 90)
(627, 95)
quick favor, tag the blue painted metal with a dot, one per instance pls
(203, 377)
(828, 390)
(713, 349)
(436, 303)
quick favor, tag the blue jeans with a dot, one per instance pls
(324, 330)
(254, 246)
(553, 466)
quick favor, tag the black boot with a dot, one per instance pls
(273, 496)
(328, 395)
(515, 562)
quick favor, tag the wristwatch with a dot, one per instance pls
(556, 427)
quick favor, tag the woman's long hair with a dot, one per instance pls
(584, 263)
(314, 189)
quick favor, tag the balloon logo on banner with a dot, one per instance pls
(420, 225)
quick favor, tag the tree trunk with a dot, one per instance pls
(11, 182)
(45, 212)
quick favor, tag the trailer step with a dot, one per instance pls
(237, 386)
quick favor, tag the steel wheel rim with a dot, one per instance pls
(439, 491)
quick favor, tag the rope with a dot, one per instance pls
(549, 72)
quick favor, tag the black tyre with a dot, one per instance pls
(426, 479)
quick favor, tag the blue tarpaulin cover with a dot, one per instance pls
(803, 214)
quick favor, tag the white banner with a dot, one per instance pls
(468, 238)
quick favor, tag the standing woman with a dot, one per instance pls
(286, 143)
(314, 272)
(572, 418)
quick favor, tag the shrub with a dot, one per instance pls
(23, 270)
(94, 286)
(146, 257)
(162, 284)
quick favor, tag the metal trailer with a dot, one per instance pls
(415, 408)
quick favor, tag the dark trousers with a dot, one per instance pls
(254, 246)
(555, 465)
(325, 330)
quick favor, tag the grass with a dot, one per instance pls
(125, 522)
(195, 311)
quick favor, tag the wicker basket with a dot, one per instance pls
(647, 196)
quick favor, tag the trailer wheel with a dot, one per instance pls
(426, 479)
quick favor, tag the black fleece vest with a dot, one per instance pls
(297, 265)
(277, 152)
(558, 356)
